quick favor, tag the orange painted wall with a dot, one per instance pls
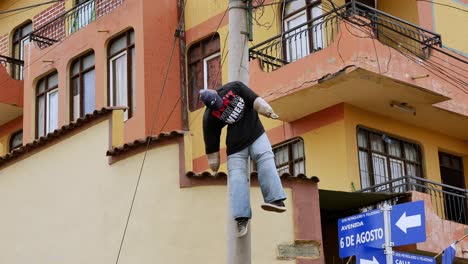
(11, 91)
(154, 24)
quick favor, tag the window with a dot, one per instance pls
(299, 40)
(84, 14)
(384, 159)
(204, 69)
(289, 157)
(82, 85)
(47, 105)
(122, 72)
(20, 39)
(16, 140)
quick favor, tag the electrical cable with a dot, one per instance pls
(454, 7)
(29, 7)
(148, 141)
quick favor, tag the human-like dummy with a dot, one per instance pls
(237, 106)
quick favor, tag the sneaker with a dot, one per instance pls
(242, 226)
(275, 206)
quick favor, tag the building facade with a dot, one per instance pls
(101, 144)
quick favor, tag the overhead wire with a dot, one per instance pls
(441, 4)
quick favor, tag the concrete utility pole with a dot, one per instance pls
(238, 249)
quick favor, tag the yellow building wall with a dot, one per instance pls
(71, 206)
(325, 152)
(451, 24)
(403, 9)
(431, 143)
(10, 21)
(4, 142)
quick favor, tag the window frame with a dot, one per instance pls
(307, 8)
(81, 86)
(20, 41)
(10, 141)
(47, 91)
(290, 160)
(194, 105)
(418, 163)
(127, 52)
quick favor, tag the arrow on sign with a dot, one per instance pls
(366, 261)
(406, 222)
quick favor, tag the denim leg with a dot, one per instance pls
(238, 183)
(268, 177)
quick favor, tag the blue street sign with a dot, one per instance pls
(408, 223)
(365, 229)
(405, 258)
(367, 255)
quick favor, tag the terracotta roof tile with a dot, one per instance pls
(285, 176)
(56, 134)
(142, 142)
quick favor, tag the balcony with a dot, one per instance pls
(449, 202)
(72, 20)
(318, 33)
(11, 90)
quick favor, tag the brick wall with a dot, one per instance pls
(4, 45)
(48, 14)
(105, 6)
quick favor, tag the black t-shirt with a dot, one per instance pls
(244, 125)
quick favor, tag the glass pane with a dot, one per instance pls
(411, 169)
(410, 152)
(394, 147)
(76, 67)
(88, 61)
(379, 163)
(40, 115)
(27, 29)
(132, 37)
(362, 139)
(41, 87)
(88, 92)
(298, 150)
(299, 168)
(118, 45)
(456, 163)
(16, 140)
(52, 81)
(317, 25)
(52, 111)
(364, 168)
(119, 82)
(281, 155)
(376, 143)
(76, 98)
(283, 169)
(294, 6)
(297, 41)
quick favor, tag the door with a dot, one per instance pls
(451, 172)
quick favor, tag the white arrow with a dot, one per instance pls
(366, 261)
(406, 222)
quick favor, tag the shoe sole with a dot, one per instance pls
(273, 208)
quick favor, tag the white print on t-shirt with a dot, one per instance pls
(232, 110)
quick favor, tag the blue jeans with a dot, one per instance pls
(238, 179)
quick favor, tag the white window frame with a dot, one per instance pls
(111, 80)
(289, 56)
(205, 68)
(47, 129)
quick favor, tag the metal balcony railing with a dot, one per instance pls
(449, 202)
(321, 31)
(72, 20)
(15, 66)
